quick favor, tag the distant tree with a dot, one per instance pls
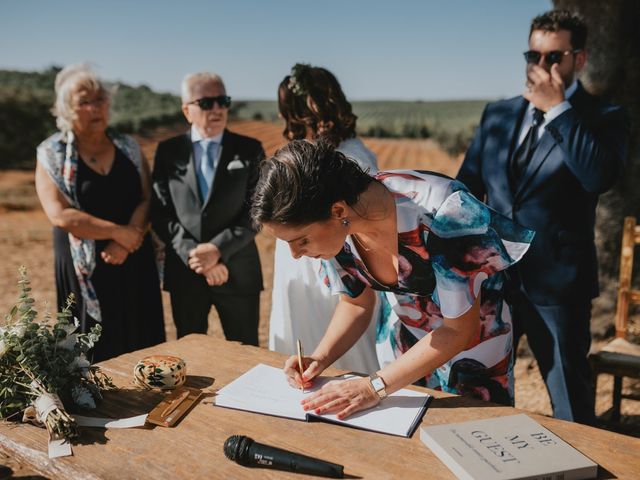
(236, 108)
(613, 71)
(26, 122)
(25, 104)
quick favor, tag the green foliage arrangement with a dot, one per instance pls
(43, 366)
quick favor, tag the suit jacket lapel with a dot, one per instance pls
(514, 120)
(544, 149)
(541, 153)
(186, 156)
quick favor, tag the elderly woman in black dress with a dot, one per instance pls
(94, 184)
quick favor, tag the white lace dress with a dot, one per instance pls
(302, 306)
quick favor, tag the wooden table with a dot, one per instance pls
(193, 449)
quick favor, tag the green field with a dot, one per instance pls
(26, 99)
(451, 123)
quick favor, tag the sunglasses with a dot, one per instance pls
(206, 103)
(555, 56)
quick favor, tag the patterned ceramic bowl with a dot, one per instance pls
(160, 371)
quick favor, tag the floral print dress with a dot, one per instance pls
(451, 248)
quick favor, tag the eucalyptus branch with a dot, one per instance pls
(44, 361)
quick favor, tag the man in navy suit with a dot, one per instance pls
(202, 181)
(543, 159)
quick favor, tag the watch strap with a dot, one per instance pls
(378, 386)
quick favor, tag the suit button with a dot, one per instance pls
(205, 215)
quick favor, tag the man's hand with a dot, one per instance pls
(114, 253)
(203, 257)
(217, 275)
(544, 90)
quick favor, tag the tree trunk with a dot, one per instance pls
(613, 71)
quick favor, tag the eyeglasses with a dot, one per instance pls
(206, 103)
(86, 104)
(555, 56)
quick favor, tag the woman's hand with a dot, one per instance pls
(114, 253)
(342, 396)
(129, 237)
(312, 368)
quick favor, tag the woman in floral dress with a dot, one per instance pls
(424, 240)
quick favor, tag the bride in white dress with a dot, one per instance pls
(313, 105)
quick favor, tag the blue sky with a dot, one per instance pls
(407, 50)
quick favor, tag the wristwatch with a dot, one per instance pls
(378, 385)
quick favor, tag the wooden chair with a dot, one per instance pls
(620, 357)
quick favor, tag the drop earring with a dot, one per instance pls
(345, 222)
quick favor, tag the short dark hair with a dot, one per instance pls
(556, 20)
(312, 98)
(301, 182)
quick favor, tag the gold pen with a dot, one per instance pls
(300, 364)
(175, 403)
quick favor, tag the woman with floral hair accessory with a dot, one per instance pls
(313, 106)
(94, 186)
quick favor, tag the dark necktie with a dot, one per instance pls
(524, 152)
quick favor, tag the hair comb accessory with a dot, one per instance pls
(298, 71)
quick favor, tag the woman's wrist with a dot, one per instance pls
(114, 231)
(370, 387)
(141, 227)
(322, 358)
(387, 380)
(378, 385)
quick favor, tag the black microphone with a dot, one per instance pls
(244, 451)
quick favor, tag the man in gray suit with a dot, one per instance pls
(202, 181)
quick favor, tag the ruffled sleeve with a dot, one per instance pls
(468, 242)
(339, 280)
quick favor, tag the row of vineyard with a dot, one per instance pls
(450, 123)
(392, 153)
(26, 99)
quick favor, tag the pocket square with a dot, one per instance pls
(236, 164)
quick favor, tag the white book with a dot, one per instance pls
(506, 448)
(265, 389)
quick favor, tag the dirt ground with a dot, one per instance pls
(25, 239)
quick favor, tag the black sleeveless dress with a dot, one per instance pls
(129, 294)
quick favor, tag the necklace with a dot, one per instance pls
(355, 237)
(92, 149)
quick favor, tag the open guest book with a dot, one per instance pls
(264, 389)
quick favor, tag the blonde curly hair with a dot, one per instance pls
(69, 80)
